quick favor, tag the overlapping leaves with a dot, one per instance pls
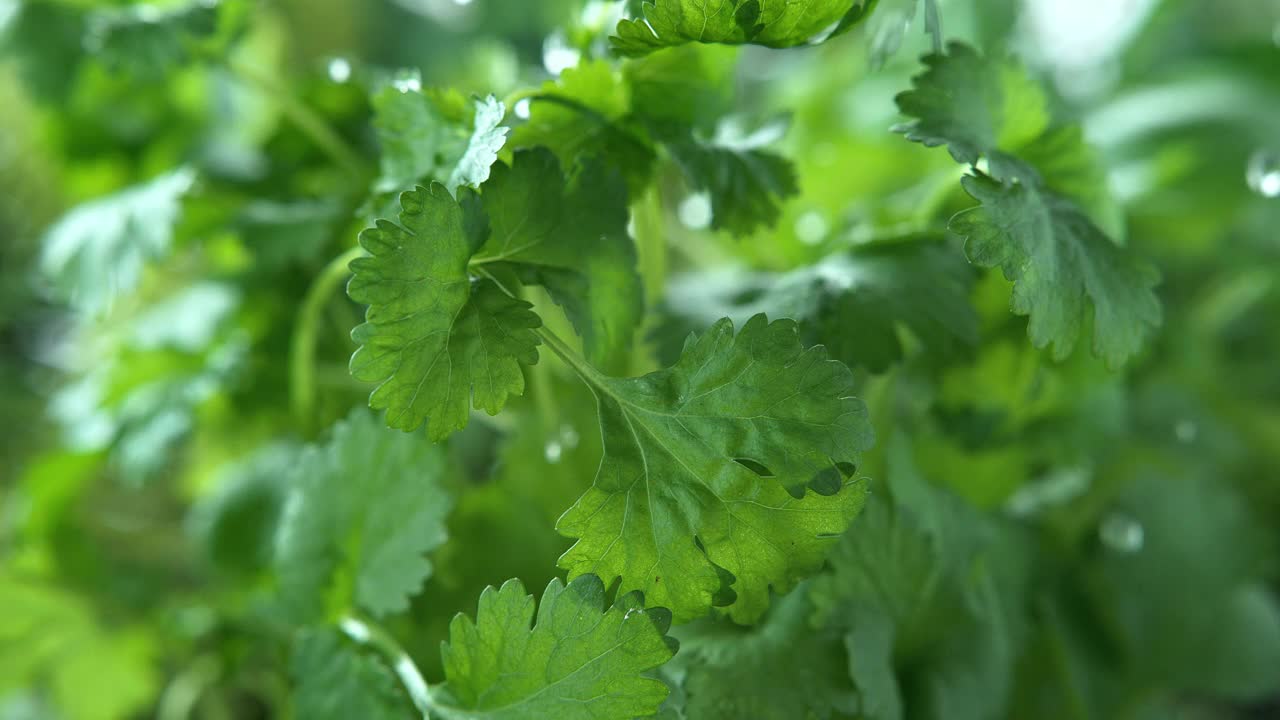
(773, 23)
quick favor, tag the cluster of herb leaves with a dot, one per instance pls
(782, 433)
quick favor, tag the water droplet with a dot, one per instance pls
(407, 81)
(569, 436)
(1186, 431)
(521, 109)
(695, 211)
(632, 611)
(339, 70)
(1264, 173)
(558, 55)
(1121, 533)
(552, 451)
(811, 228)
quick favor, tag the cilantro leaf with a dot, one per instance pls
(363, 512)
(570, 237)
(778, 670)
(433, 341)
(575, 662)
(585, 113)
(147, 41)
(977, 107)
(97, 251)
(1060, 263)
(745, 183)
(481, 152)
(727, 468)
(773, 23)
(888, 27)
(879, 289)
(1031, 222)
(336, 680)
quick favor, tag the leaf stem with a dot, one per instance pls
(307, 120)
(370, 634)
(302, 346)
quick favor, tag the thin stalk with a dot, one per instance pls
(371, 635)
(307, 120)
(302, 346)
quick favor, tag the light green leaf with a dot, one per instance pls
(364, 511)
(571, 237)
(878, 289)
(417, 141)
(486, 141)
(727, 469)
(977, 107)
(773, 23)
(98, 250)
(146, 40)
(337, 681)
(575, 662)
(433, 341)
(1061, 265)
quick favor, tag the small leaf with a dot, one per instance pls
(773, 23)
(674, 514)
(336, 680)
(575, 662)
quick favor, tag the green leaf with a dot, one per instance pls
(585, 114)
(889, 25)
(773, 23)
(570, 237)
(1061, 265)
(363, 512)
(146, 41)
(237, 522)
(97, 251)
(780, 669)
(728, 468)
(417, 141)
(977, 107)
(879, 289)
(746, 184)
(434, 342)
(335, 680)
(575, 662)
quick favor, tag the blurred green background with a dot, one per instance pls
(129, 431)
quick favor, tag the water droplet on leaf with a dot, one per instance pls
(552, 451)
(811, 228)
(569, 436)
(339, 70)
(695, 211)
(521, 108)
(407, 81)
(558, 55)
(1121, 533)
(1263, 173)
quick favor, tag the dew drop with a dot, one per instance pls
(522, 109)
(1263, 173)
(1121, 533)
(632, 611)
(569, 436)
(695, 211)
(1186, 431)
(552, 451)
(407, 81)
(811, 228)
(339, 70)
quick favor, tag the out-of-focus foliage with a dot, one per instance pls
(570, 214)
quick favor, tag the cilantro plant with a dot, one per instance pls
(868, 359)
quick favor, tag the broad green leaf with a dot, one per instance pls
(977, 107)
(781, 669)
(335, 680)
(773, 23)
(746, 184)
(729, 468)
(1067, 274)
(98, 250)
(690, 84)
(487, 139)
(364, 510)
(878, 289)
(581, 658)
(434, 342)
(570, 237)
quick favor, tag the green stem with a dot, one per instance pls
(562, 350)
(371, 635)
(308, 121)
(302, 346)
